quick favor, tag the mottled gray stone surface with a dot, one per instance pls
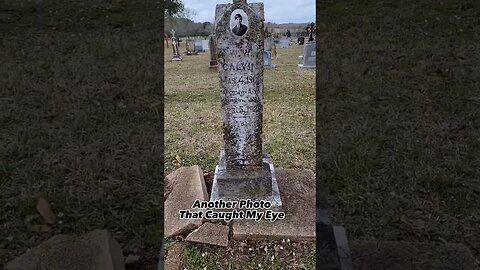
(240, 60)
(182, 188)
(213, 50)
(209, 233)
(297, 188)
(309, 55)
(242, 171)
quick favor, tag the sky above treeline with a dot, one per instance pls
(276, 11)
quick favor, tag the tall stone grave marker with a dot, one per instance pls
(244, 170)
(309, 55)
(176, 53)
(213, 51)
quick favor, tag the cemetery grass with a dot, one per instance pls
(194, 136)
(245, 255)
(399, 120)
(81, 122)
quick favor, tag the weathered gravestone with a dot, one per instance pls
(301, 40)
(197, 44)
(213, 51)
(244, 170)
(176, 53)
(309, 55)
(189, 47)
(205, 44)
(267, 59)
(284, 43)
(268, 43)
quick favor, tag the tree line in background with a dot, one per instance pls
(180, 19)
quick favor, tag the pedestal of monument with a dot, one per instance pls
(246, 184)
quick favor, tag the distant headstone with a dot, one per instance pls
(301, 40)
(311, 29)
(176, 54)
(309, 55)
(189, 47)
(276, 40)
(205, 44)
(284, 43)
(198, 47)
(244, 170)
(267, 59)
(213, 51)
(268, 44)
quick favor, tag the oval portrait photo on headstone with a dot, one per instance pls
(239, 22)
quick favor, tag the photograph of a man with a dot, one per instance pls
(239, 29)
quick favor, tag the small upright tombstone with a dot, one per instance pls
(197, 45)
(309, 55)
(301, 40)
(244, 170)
(176, 54)
(268, 44)
(284, 43)
(205, 44)
(267, 59)
(213, 51)
(189, 47)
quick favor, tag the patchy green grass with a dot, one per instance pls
(196, 260)
(399, 118)
(193, 127)
(81, 121)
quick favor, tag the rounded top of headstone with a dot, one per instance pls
(239, 1)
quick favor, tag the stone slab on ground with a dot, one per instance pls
(174, 257)
(411, 256)
(297, 190)
(182, 188)
(97, 250)
(210, 233)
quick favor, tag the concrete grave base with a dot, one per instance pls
(303, 66)
(182, 188)
(297, 190)
(261, 185)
